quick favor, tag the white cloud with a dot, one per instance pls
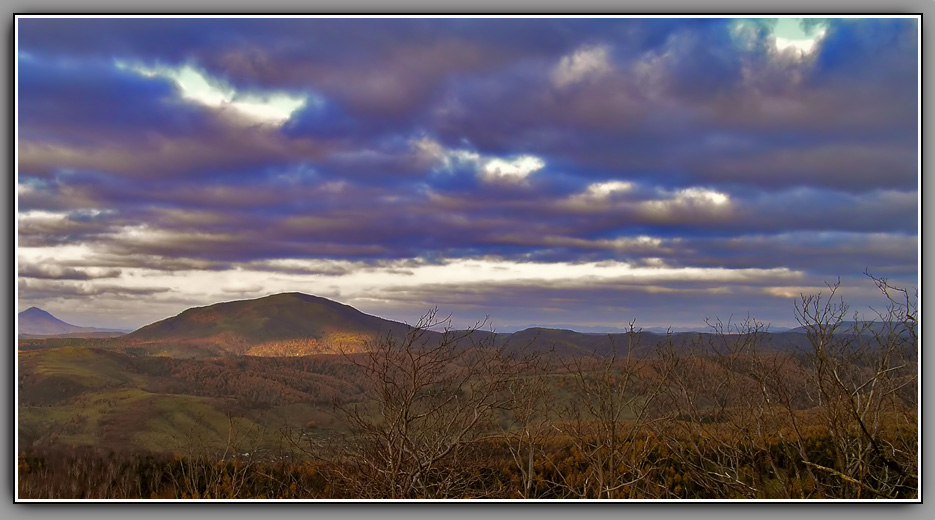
(36, 214)
(701, 196)
(490, 169)
(642, 240)
(803, 46)
(511, 170)
(62, 253)
(599, 193)
(33, 215)
(585, 63)
(637, 244)
(467, 271)
(361, 284)
(601, 196)
(146, 235)
(195, 85)
(606, 189)
(688, 199)
(786, 33)
(433, 152)
(794, 292)
(428, 149)
(789, 33)
(275, 108)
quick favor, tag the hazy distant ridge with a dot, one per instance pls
(290, 324)
(294, 324)
(37, 322)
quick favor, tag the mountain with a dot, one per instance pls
(584, 329)
(296, 324)
(865, 327)
(602, 329)
(37, 322)
(277, 325)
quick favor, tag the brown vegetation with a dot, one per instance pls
(455, 415)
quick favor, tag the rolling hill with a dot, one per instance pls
(296, 324)
(864, 327)
(286, 324)
(263, 369)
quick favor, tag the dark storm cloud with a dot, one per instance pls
(69, 228)
(732, 153)
(769, 298)
(391, 69)
(327, 270)
(380, 67)
(853, 44)
(56, 272)
(827, 254)
(703, 64)
(668, 213)
(252, 222)
(96, 116)
(229, 151)
(37, 289)
(606, 302)
(105, 38)
(642, 119)
(150, 262)
(847, 166)
(499, 98)
(99, 101)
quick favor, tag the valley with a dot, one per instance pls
(293, 379)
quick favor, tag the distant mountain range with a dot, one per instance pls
(598, 329)
(296, 324)
(35, 322)
(866, 327)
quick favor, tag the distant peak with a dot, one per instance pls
(34, 310)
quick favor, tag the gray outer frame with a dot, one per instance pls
(701, 511)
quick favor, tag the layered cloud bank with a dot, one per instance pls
(540, 170)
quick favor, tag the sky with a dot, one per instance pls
(577, 172)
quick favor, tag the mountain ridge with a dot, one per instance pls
(36, 322)
(298, 324)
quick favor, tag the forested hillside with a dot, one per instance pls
(439, 413)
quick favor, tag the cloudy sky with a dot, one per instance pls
(545, 171)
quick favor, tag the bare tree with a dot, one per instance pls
(429, 399)
(605, 422)
(864, 377)
(718, 405)
(529, 427)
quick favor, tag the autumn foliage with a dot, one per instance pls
(454, 415)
